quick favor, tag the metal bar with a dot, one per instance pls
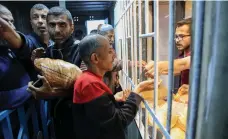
(135, 73)
(146, 10)
(23, 123)
(139, 32)
(6, 128)
(126, 34)
(125, 45)
(43, 119)
(20, 133)
(129, 79)
(5, 113)
(156, 52)
(146, 125)
(152, 113)
(198, 19)
(135, 43)
(131, 34)
(171, 57)
(62, 3)
(213, 107)
(147, 35)
(128, 23)
(128, 6)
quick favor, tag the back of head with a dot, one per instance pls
(38, 7)
(89, 45)
(103, 29)
(94, 31)
(57, 11)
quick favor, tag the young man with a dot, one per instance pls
(181, 65)
(96, 113)
(13, 76)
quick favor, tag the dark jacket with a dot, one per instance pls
(30, 42)
(62, 107)
(13, 80)
(69, 52)
(96, 113)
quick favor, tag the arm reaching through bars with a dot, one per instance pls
(163, 66)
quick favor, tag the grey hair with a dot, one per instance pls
(38, 6)
(94, 31)
(4, 9)
(56, 11)
(104, 28)
(89, 45)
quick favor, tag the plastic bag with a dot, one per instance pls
(60, 74)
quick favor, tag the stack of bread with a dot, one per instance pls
(179, 110)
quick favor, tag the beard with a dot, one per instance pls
(180, 47)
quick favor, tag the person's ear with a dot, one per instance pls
(94, 58)
(72, 27)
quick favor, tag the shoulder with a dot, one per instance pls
(84, 80)
(87, 88)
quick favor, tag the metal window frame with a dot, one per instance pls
(128, 15)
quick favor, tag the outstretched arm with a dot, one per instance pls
(179, 66)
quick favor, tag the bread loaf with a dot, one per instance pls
(60, 74)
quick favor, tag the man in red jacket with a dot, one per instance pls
(96, 113)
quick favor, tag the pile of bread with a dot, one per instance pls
(179, 109)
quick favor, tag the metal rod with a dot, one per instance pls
(146, 125)
(62, 3)
(214, 115)
(147, 35)
(198, 22)
(124, 46)
(140, 39)
(127, 17)
(156, 52)
(171, 56)
(128, 6)
(135, 45)
(126, 43)
(152, 113)
(131, 34)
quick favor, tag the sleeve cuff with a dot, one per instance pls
(137, 98)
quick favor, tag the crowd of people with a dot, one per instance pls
(96, 107)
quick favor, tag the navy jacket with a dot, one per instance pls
(30, 42)
(13, 80)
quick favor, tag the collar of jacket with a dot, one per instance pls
(69, 42)
(50, 42)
